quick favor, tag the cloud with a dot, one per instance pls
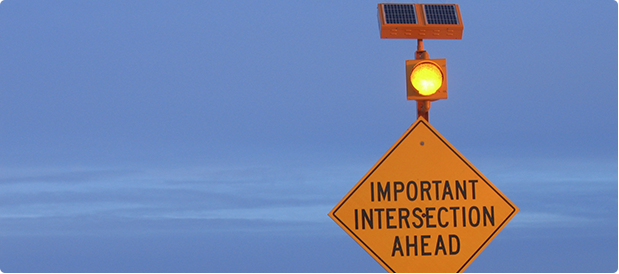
(266, 194)
(53, 198)
(547, 219)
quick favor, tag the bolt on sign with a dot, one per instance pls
(423, 207)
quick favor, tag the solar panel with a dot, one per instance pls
(400, 14)
(441, 14)
(419, 21)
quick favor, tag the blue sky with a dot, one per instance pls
(215, 136)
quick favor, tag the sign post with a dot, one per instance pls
(423, 207)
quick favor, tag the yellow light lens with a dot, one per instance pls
(426, 78)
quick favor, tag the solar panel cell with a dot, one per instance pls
(400, 14)
(441, 14)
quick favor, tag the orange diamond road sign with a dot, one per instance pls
(423, 207)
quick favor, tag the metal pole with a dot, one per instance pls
(423, 106)
(423, 109)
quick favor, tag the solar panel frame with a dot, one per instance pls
(400, 14)
(412, 24)
(441, 14)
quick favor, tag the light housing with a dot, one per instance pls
(426, 79)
